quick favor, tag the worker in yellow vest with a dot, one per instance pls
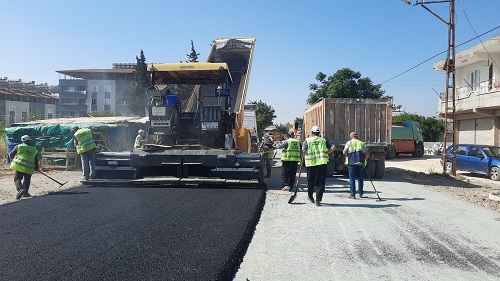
(85, 146)
(290, 156)
(139, 141)
(316, 150)
(24, 161)
(355, 152)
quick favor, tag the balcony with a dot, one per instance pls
(480, 99)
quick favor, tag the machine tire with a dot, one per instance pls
(391, 152)
(371, 168)
(495, 173)
(379, 169)
(419, 151)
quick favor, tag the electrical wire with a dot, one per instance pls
(440, 54)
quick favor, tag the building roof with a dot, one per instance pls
(98, 74)
(479, 52)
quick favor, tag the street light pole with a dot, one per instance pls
(449, 66)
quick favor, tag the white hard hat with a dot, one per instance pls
(315, 129)
(25, 138)
(266, 135)
(140, 131)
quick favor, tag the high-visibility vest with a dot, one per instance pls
(24, 161)
(292, 151)
(316, 152)
(356, 153)
(138, 142)
(85, 141)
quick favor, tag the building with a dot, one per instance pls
(19, 99)
(477, 93)
(83, 91)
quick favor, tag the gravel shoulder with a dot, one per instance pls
(428, 172)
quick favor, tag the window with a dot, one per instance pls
(71, 89)
(93, 88)
(107, 88)
(475, 79)
(94, 101)
(107, 102)
(474, 152)
(461, 150)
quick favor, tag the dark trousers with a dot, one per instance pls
(356, 172)
(20, 184)
(288, 171)
(316, 176)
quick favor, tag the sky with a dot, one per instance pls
(388, 41)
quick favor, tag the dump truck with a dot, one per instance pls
(371, 119)
(406, 138)
(202, 143)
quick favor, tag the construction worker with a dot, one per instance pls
(290, 156)
(24, 161)
(268, 146)
(139, 141)
(85, 146)
(355, 151)
(315, 150)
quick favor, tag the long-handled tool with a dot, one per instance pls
(376, 192)
(60, 183)
(296, 185)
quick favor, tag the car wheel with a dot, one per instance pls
(495, 173)
(448, 167)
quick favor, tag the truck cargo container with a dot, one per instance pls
(371, 119)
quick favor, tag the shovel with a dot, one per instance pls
(296, 185)
(60, 183)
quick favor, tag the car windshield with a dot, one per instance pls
(491, 151)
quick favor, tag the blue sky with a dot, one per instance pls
(294, 41)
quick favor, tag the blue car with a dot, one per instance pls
(476, 158)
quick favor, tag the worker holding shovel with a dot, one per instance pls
(24, 161)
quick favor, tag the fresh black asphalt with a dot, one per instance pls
(129, 233)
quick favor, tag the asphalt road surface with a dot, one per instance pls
(92, 233)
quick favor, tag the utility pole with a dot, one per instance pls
(449, 66)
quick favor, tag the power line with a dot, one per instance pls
(440, 54)
(482, 43)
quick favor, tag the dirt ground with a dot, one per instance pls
(426, 171)
(40, 184)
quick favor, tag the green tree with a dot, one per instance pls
(264, 115)
(184, 91)
(345, 83)
(34, 115)
(135, 96)
(193, 56)
(283, 128)
(431, 127)
(105, 114)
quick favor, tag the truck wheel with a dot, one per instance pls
(391, 152)
(330, 169)
(370, 168)
(379, 169)
(419, 151)
(495, 173)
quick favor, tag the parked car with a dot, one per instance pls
(476, 158)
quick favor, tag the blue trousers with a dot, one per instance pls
(356, 172)
(88, 164)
